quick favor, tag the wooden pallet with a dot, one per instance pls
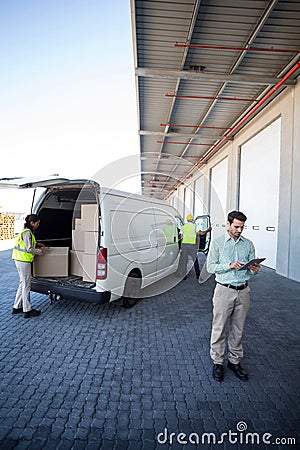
(7, 226)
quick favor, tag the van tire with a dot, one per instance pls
(132, 290)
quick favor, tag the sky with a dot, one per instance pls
(67, 87)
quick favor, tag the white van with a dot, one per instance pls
(133, 239)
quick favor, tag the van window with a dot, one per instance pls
(135, 228)
(166, 226)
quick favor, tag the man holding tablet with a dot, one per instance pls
(226, 258)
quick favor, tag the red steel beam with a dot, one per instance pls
(193, 126)
(213, 98)
(172, 164)
(246, 117)
(184, 143)
(178, 157)
(226, 47)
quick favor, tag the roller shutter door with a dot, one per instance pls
(259, 190)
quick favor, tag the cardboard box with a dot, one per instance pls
(77, 224)
(89, 217)
(89, 267)
(90, 242)
(78, 240)
(76, 263)
(54, 263)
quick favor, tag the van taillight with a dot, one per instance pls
(101, 271)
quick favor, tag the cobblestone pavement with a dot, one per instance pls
(86, 376)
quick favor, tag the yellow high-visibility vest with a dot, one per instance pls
(19, 252)
(189, 233)
(170, 233)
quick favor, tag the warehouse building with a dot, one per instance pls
(219, 113)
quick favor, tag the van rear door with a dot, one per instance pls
(31, 182)
(30, 188)
(35, 182)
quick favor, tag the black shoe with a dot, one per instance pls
(218, 372)
(17, 310)
(238, 371)
(32, 313)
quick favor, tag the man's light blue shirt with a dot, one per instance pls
(225, 250)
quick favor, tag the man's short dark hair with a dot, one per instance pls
(238, 215)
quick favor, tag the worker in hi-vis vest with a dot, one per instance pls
(23, 253)
(189, 245)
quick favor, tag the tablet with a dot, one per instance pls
(253, 261)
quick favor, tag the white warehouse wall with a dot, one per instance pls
(201, 189)
(218, 196)
(287, 107)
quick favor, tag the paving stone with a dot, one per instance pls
(92, 377)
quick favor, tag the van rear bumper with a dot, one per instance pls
(70, 292)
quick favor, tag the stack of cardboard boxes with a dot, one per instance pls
(81, 259)
(83, 255)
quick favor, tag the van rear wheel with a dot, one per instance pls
(132, 290)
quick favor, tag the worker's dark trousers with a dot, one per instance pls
(188, 250)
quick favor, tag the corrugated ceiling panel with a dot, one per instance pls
(161, 24)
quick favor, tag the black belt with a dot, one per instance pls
(237, 288)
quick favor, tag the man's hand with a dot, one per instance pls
(254, 267)
(236, 265)
(44, 249)
(202, 233)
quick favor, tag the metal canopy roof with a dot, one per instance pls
(203, 69)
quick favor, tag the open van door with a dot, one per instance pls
(203, 222)
(33, 183)
(179, 224)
